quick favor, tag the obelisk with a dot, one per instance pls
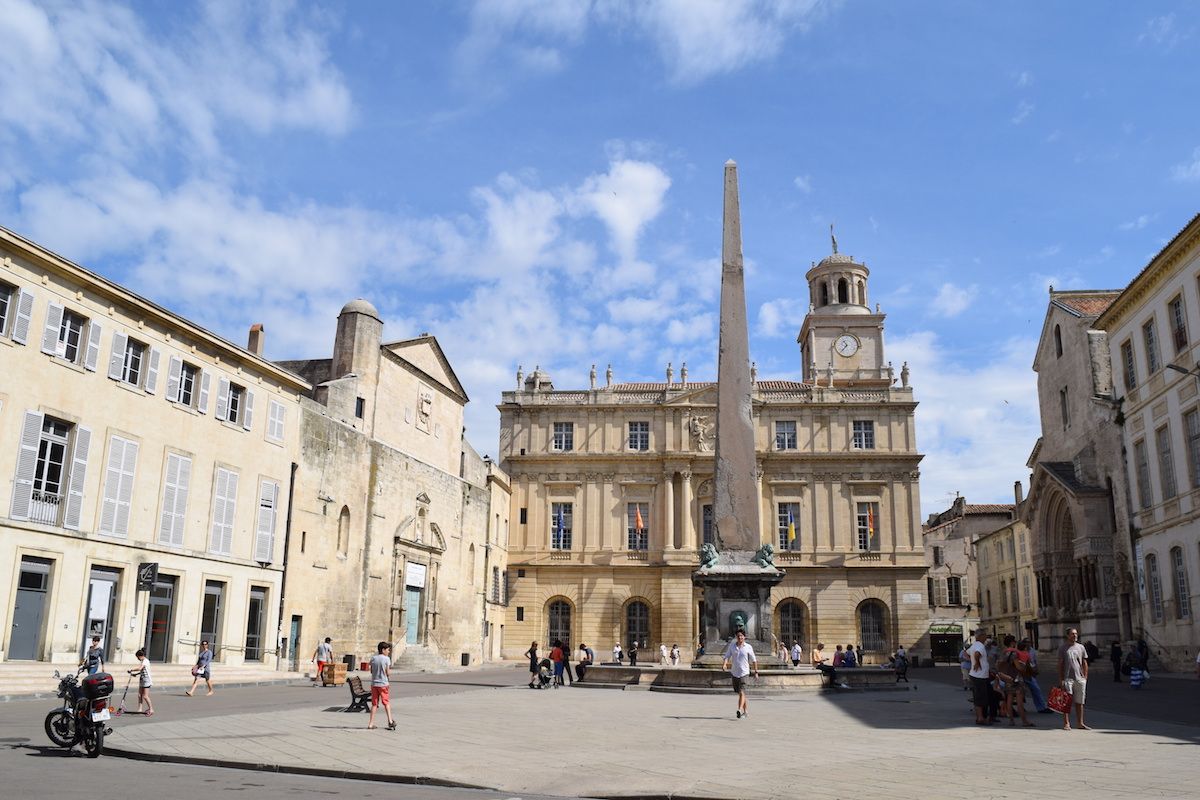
(735, 505)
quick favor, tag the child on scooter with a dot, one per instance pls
(144, 682)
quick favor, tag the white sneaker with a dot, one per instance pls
(844, 685)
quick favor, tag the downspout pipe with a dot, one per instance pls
(287, 541)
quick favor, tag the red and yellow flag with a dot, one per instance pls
(871, 522)
(638, 525)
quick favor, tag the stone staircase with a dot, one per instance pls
(420, 658)
(25, 680)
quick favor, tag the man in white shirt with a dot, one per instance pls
(738, 659)
(797, 653)
(1073, 672)
(663, 655)
(979, 673)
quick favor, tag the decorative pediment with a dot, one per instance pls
(701, 396)
(423, 499)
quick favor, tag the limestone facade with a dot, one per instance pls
(1006, 581)
(1075, 510)
(612, 496)
(952, 584)
(1154, 330)
(129, 437)
(395, 535)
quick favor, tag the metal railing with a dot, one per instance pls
(44, 507)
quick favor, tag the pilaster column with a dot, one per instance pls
(687, 532)
(668, 516)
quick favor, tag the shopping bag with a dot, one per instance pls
(1059, 700)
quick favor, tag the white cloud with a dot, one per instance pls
(1024, 78)
(803, 183)
(953, 300)
(968, 408)
(84, 73)
(1024, 109)
(626, 198)
(1188, 170)
(1163, 32)
(698, 328)
(1137, 224)
(781, 317)
(696, 39)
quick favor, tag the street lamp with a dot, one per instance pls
(1194, 371)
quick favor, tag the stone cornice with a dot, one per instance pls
(1155, 273)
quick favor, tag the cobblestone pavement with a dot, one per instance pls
(602, 743)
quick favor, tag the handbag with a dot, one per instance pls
(1059, 700)
(195, 671)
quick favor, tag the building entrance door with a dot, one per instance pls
(944, 647)
(412, 614)
(294, 643)
(101, 610)
(560, 624)
(29, 613)
(158, 619)
(254, 623)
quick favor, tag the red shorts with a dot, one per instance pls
(320, 668)
(379, 694)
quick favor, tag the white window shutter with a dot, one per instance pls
(79, 458)
(116, 359)
(20, 333)
(202, 404)
(174, 369)
(248, 417)
(92, 357)
(54, 315)
(125, 496)
(112, 484)
(230, 508)
(152, 372)
(166, 520)
(31, 436)
(264, 542)
(181, 500)
(222, 399)
(218, 511)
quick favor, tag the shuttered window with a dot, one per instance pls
(224, 504)
(264, 540)
(118, 486)
(175, 498)
(21, 314)
(276, 416)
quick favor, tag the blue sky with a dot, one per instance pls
(540, 182)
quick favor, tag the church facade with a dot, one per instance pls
(612, 495)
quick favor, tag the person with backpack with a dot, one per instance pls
(557, 658)
(850, 659)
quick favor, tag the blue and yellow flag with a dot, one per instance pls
(791, 527)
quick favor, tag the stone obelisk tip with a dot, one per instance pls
(731, 163)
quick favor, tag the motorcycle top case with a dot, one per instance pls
(97, 685)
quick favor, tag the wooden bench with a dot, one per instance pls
(359, 697)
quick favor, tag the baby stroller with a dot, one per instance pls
(545, 676)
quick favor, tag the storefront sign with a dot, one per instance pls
(952, 629)
(147, 574)
(414, 575)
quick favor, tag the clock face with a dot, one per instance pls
(846, 345)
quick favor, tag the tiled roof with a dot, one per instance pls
(988, 508)
(1087, 304)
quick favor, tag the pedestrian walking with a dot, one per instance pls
(322, 656)
(202, 670)
(93, 659)
(633, 647)
(739, 660)
(381, 685)
(797, 654)
(1114, 655)
(617, 654)
(980, 670)
(144, 682)
(1072, 673)
(1027, 654)
(675, 655)
(532, 655)
(663, 656)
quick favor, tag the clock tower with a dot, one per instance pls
(841, 340)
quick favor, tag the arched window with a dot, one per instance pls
(558, 615)
(343, 539)
(862, 293)
(1183, 600)
(791, 622)
(872, 632)
(1152, 579)
(637, 625)
(1057, 341)
(824, 293)
(843, 291)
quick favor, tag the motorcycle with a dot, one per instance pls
(84, 713)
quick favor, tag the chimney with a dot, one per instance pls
(1018, 493)
(255, 341)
